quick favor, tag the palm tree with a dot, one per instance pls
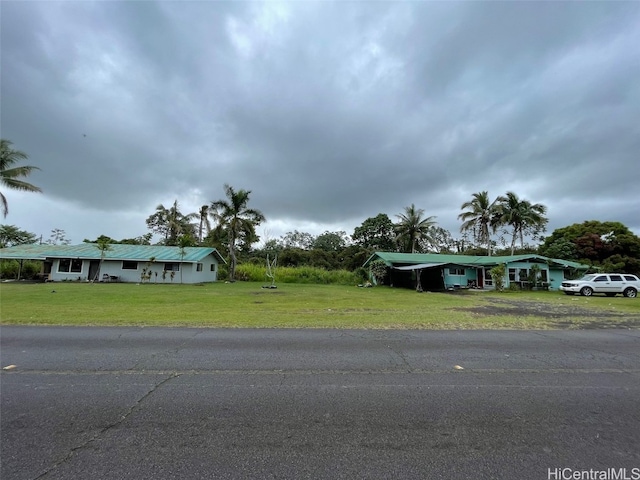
(480, 217)
(104, 248)
(412, 228)
(171, 223)
(523, 216)
(183, 243)
(236, 220)
(10, 175)
(178, 223)
(204, 222)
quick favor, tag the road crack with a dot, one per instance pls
(109, 427)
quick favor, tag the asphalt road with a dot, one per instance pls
(162, 403)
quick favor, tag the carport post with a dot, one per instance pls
(418, 281)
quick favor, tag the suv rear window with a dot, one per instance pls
(615, 278)
(630, 278)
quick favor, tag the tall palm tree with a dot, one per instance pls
(178, 223)
(171, 223)
(523, 216)
(10, 176)
(480, 218)
(234, 218)
(203, 216)
(412, 229)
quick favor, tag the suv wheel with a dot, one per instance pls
(630, 293)
(586, 291)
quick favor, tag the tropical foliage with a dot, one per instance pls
(480, 218)
(58, 237)
(376, 233)
(257, 273)
(413, 230)
(522, 216)
(11, 235)
(488, 227)
(237, 221)
(171, 224)
(11, 174)
(204, 223)
(610, 245)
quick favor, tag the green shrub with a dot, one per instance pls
(223, 272)
(9, 268)
(310, 275)
(30, 269)
(362, 274)
(497, 275)
(514, 287)
(379, 270)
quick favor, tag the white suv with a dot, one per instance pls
(608, 283)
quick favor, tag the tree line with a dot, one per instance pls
(488, 227)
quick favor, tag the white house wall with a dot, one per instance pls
(113, 268)
(57, 276)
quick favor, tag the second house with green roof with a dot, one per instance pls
(434, 271)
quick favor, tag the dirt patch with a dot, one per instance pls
(558, 316)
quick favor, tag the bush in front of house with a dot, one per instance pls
(497, 275)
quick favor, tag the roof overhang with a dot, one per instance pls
(419, 266)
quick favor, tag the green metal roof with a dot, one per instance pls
(116, 252)
(394, 258)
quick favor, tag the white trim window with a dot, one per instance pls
(69, 265)
(129, 265)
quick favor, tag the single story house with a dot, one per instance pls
(121, 263)
(444, 272)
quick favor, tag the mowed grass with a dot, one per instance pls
(247, 304)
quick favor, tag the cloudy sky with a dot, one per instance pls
(329, 112)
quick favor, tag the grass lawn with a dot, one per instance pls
(246, 304)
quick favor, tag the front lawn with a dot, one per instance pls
(246, 304)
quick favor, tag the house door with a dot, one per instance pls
(480, 280)
(94, 266)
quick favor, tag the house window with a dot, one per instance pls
(198, 267)
(127, 265)
(213, 267)
(543, 276)
(456, 271)
(523, 275)
(172, 267)
(488, 281)
(512, 275)
(69, 265)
